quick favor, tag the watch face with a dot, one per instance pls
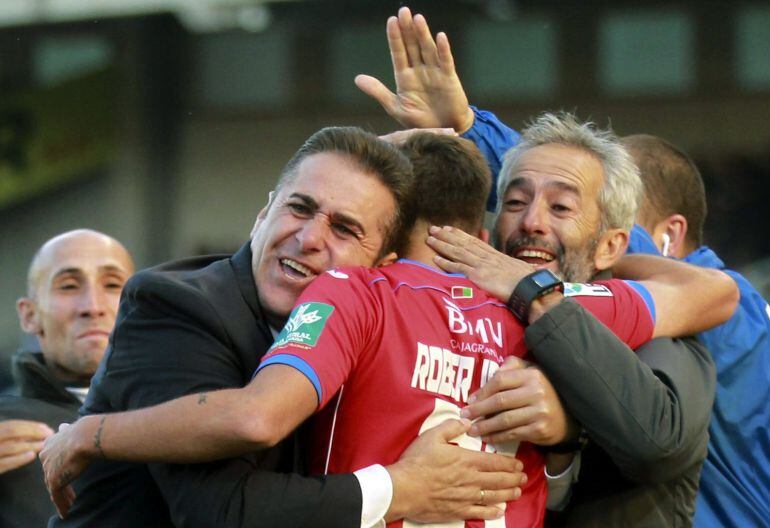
(544, 278)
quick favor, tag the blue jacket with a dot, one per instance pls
(735, 481)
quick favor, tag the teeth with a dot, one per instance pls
(297, 266)
(532, 253)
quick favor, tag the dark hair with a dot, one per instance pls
(672, 183)
(374, 156)
(451, 180)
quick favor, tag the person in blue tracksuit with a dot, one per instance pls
(735, 480)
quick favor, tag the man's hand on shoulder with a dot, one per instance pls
(437, 481)
(20, 441)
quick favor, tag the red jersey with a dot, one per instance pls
(393, 351)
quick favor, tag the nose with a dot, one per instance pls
(92, 302)
(535, 219)
(312, 235)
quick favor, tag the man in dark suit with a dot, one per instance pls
(202, 324)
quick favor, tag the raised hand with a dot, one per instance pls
(428, 91)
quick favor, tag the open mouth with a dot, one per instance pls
(535, 257)
(294, 269)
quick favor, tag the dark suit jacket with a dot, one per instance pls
(184, 327)
(647, 420)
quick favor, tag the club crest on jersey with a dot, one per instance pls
(462, 292)
(305, 325)
(574, 289)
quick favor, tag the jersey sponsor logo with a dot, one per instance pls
(574, 289)
(462, 292)
(338, 274)
(484, 328)
(305, 325)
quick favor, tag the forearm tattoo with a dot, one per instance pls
(98, 437)
(201, 398)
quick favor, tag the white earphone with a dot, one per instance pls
(666, 244)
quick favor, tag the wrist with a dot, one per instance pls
(466, 123)
(85, 431)
(542, 304)
(401, 503)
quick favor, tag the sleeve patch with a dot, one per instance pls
(574, 289)
(305, 325)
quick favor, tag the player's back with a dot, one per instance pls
(428, 340)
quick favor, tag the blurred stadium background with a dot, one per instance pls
(165, 122)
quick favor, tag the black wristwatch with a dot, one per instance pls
(533, 286)
(571, 446)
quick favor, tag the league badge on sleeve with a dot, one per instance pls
(304, 326)
(574, 289)
(462, 292)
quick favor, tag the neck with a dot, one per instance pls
(416, 248)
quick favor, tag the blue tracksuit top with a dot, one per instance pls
(735, 482)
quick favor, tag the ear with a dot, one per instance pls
(611, 246)
(262, 213)
(484, 235)
(28, 319)
(675, 226)
(387, 260)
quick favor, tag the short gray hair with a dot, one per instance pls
(622, 187)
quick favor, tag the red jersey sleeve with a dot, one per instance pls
(327, 331)
(625, 307)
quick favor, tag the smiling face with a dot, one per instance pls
(330, 213)
(76, 281)
(550, 215)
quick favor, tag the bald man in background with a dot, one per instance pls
(73, 288)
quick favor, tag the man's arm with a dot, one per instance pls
(687, 299)
(648, 410)
(177, 431)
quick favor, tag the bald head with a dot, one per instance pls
(73, 289)
(72, 242)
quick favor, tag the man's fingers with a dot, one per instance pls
(486, 513)
(450, 266)
(452, 252)
(508, 421)
(513, 363)
(503, 380)
(9, 463)
(493, 463)
(444, 53)
(16, 447)
(406, 24)
(63, 498)
(24, 429)
(375, 89)
(450, 429)
(428, 50)
(396, 45)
